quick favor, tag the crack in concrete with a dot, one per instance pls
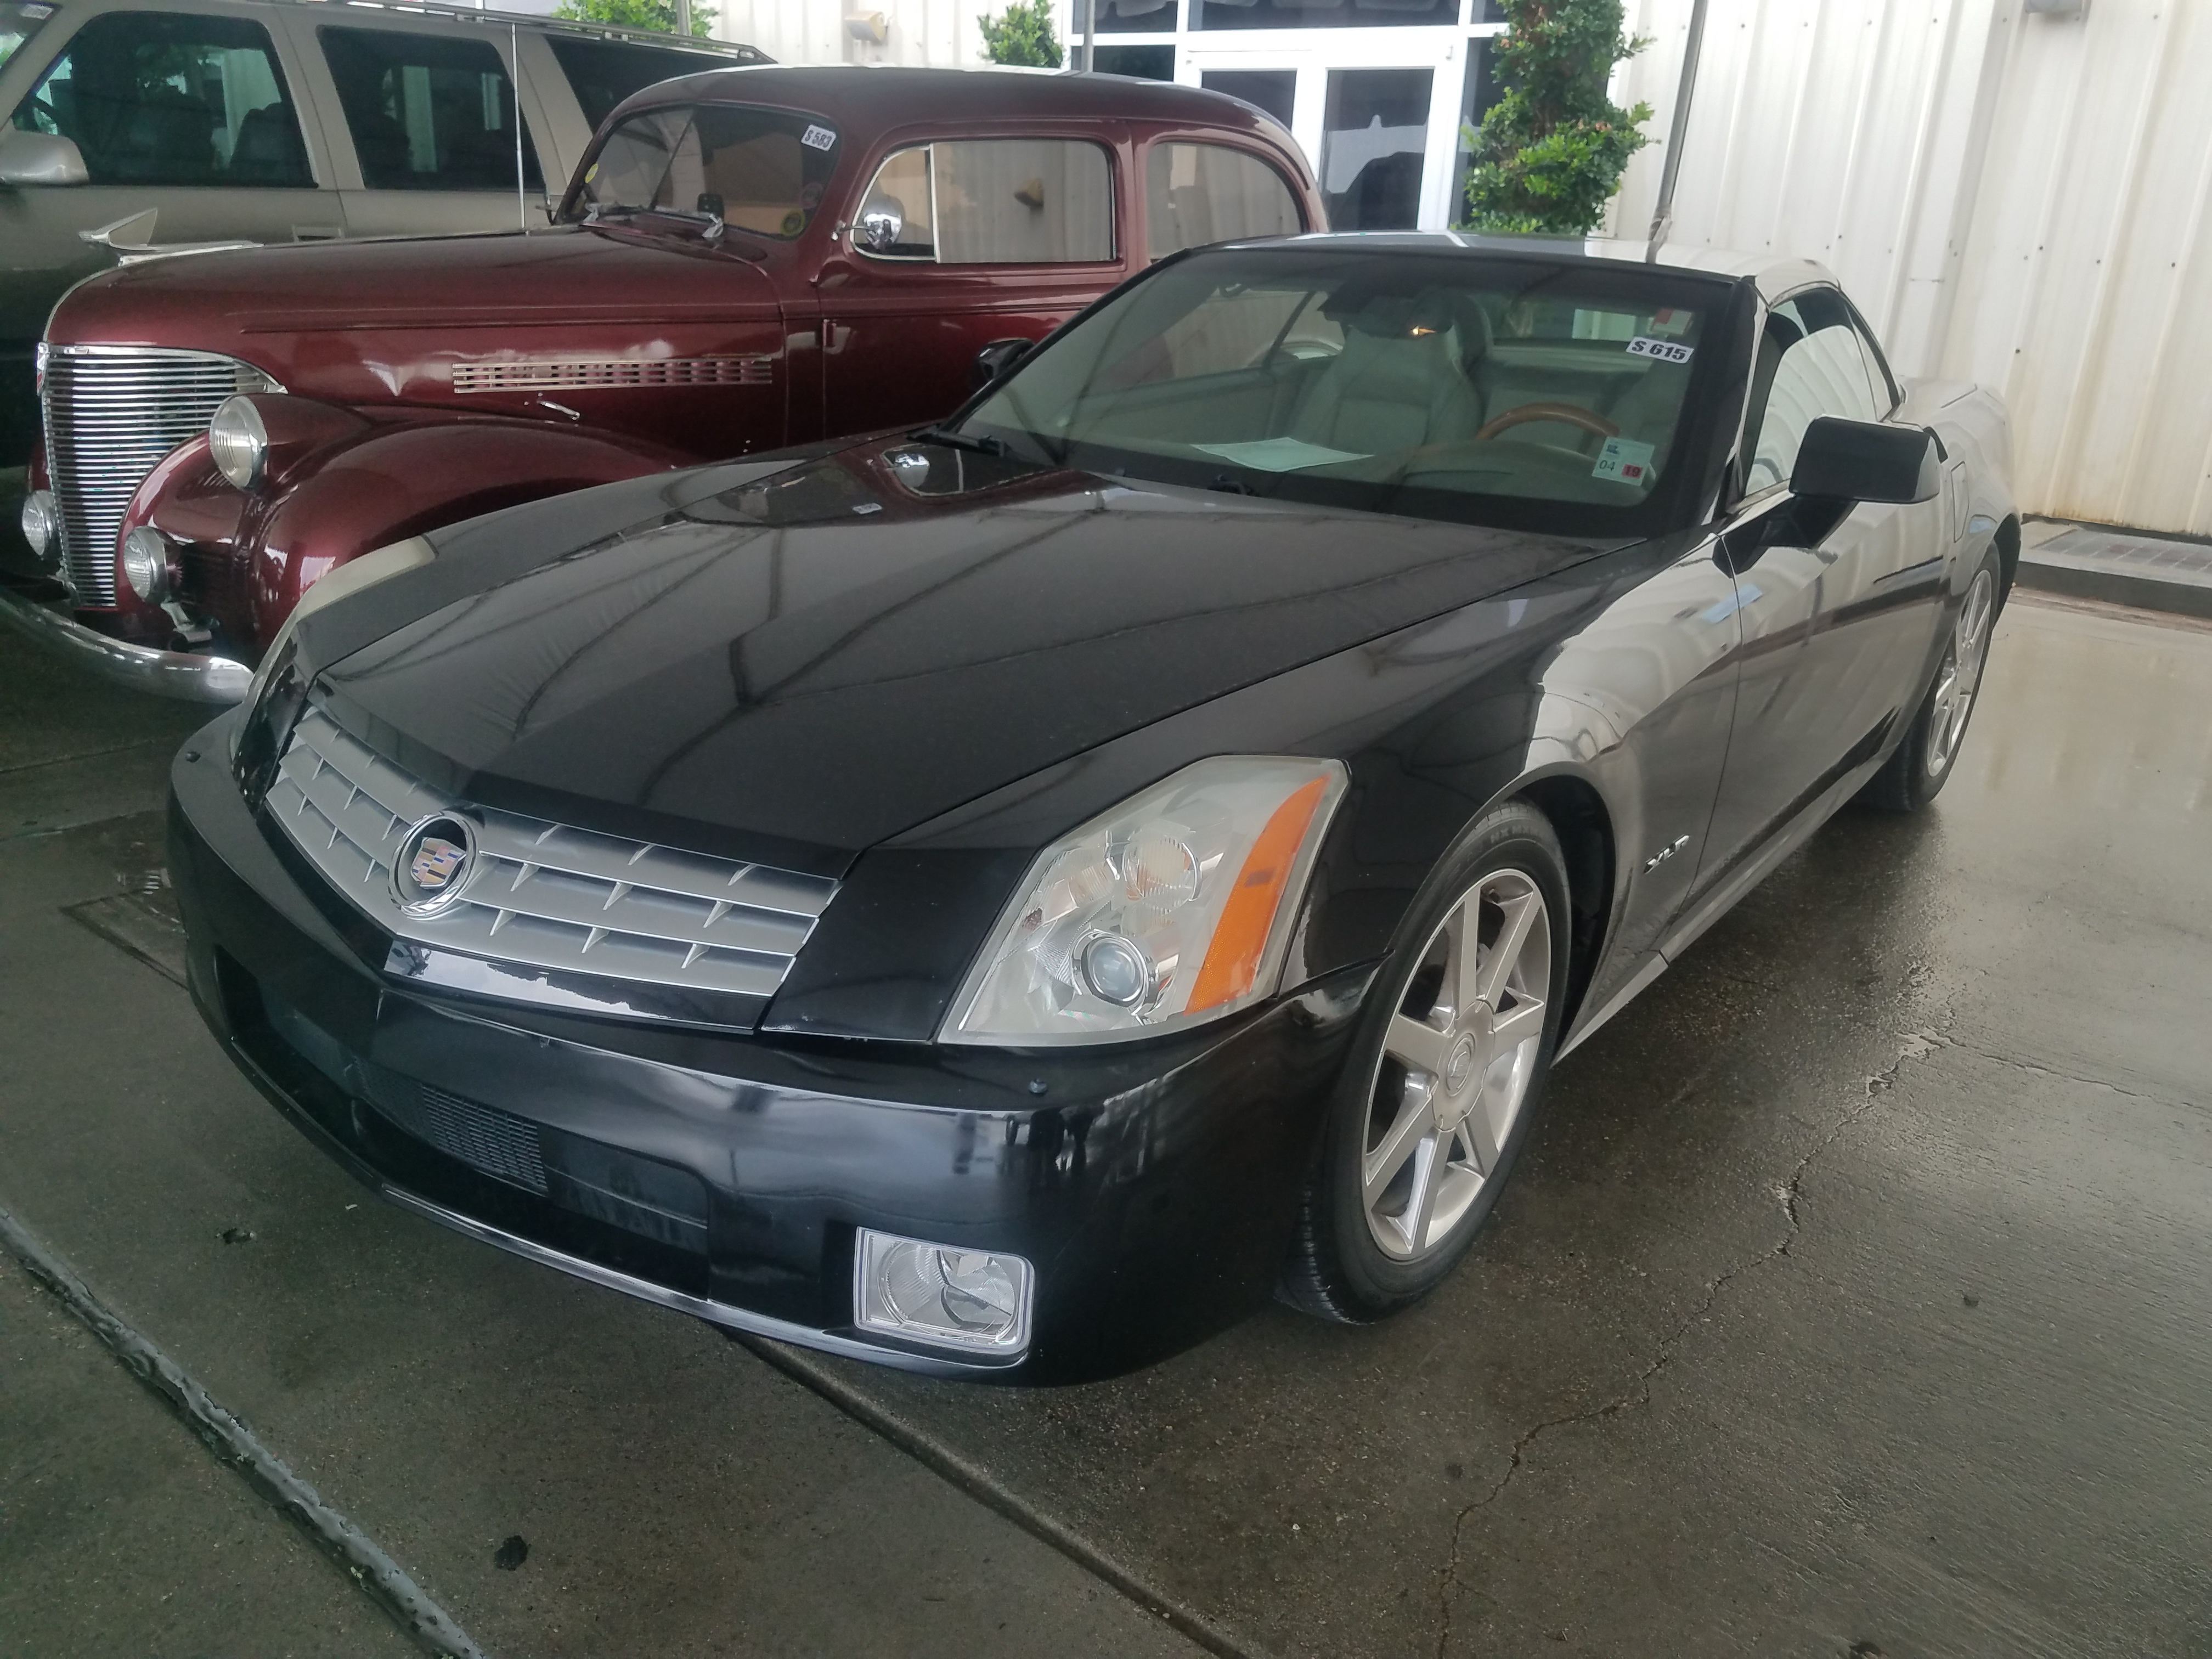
(2037, 1070)
(1915, 1046)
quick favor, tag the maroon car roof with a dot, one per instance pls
(862, 96)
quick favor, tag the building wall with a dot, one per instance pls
(2013, 197)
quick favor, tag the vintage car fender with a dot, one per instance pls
(378, 484)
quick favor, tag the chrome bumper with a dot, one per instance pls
(181, 674)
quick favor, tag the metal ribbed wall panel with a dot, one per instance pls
(111, 413)
(2013, 198)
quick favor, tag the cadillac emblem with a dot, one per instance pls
(433, 863)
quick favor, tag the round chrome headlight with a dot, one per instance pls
(42, 526)
(146, 564)
(239, 441)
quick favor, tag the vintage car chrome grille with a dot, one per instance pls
(581, 374)
(543, 895)
(111, 413)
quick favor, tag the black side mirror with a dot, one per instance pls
(998, 359)
(1866, 461)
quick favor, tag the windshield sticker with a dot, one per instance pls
(817, 138)
(1279, 454)
(1624, 458)
(1670, 323)
(1667, 351)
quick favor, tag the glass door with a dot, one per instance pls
(1375, 91)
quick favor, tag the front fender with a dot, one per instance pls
(370, 489)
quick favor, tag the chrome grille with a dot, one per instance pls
(543, 895)
(111, 413)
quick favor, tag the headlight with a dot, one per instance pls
(239, 441)
(1174, 909)
(351, 577)
(42, 526)
(145, 562)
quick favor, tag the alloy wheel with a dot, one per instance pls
(1457, 1059)
(1960, 675)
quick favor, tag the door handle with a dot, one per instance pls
(317, 233)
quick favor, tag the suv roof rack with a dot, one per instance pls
(737, 50)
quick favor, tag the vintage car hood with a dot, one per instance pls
(277, 307)
(797, 668)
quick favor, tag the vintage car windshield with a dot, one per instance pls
(762, 171)
(1497, 389)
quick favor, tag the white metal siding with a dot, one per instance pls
(2017, 199)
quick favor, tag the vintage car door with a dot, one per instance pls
(1838, 606)
(954, 243)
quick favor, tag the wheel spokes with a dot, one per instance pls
(1417, 1045)
(1520, 915)
(1415, 1122)
(1509, 1030)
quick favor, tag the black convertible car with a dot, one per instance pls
(1006, 898)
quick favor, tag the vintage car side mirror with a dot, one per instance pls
(40, 158)
(1866, 461)
(883, 221)
(998, 359)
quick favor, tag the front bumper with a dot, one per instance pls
(1153, 1189)
(185, 675)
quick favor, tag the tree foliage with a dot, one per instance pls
(1550, 153)
(659, 15)
(1022, 34)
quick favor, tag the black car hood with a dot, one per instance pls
(795, 669)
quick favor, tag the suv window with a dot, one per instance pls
(164, 97)
(428, 113)
(1200, 194)
(602, 73)
(757, 170)
(1811, 362)
(991, 202)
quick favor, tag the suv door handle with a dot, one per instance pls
(317, 233)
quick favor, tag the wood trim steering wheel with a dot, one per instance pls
(1572, 414)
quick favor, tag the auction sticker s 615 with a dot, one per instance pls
(1667, 351)
(1626, 460)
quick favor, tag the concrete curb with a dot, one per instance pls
(2103, 562)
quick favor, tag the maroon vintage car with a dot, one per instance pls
(747, 259)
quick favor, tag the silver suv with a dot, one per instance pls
(144, 124)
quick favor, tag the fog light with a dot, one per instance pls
(237, 441)
(42, 526)
(936, 1294)
(146, 564)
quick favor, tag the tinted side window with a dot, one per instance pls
(159, 97)
(992, 200)
(1811, 363)
(427, 112)
(602, 73)
(1200, 194)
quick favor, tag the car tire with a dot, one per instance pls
(1921, 764)
(1394, 1198)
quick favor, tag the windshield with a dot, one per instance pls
(763, 171)
(1496, 390)
(16, 23)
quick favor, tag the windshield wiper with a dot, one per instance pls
(712, 229)
(976, 445)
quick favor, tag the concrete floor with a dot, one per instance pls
(1850, 1301)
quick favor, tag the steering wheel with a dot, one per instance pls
(1571, 414)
